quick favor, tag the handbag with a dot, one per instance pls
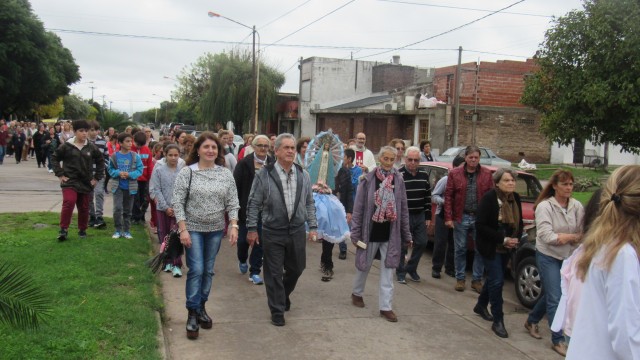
(171, 247)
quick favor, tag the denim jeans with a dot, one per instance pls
(122, 204)
(492, 289)
(3, 151)
(201, 258)
(460, 233)
(549, 268)
(255, 259)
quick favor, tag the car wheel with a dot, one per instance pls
(528, 284)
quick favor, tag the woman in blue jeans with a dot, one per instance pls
(499, 227)
(203, 192)
(559, 232)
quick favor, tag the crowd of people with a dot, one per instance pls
(273, 193)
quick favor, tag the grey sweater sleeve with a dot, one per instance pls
(254, 204)
(180, 192)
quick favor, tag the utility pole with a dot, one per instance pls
(456, 116)
(255, 84)
(92, 88)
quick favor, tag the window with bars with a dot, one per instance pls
(423, 132)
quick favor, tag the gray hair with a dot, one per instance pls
(258, 137)
(412, 149)
(501, 171)
(388, 149)
(281, 137)
(471, 149)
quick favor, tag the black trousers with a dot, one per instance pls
(326, 257)
(141, 202)
(284, 262)
(443, 247)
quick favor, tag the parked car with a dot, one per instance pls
(523, 266)
(487, 156)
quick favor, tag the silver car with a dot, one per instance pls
(487, 156)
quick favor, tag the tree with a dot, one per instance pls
(219, 88)
(588, 82)
(116, 120)
(22, 303)
(52, 110)
(35, 68)
(231, 94)
(75, 108)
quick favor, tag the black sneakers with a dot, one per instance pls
(99, 224)
(62, 234)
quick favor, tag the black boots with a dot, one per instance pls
(192, 324)
(498, 329)
(203, 318)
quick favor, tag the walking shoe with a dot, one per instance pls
(327, 275)
(244, 267)
(389, 315)
(127, 235)
(451, 273)
(414, 276)
(116, 235)
(483, 312)
(498, 329)
(256, 279)
(533, 330)
(435, 274)
(192, 324)
(82, 234)
(560, 348)
(343, 255)
(357, 301)
(277, 319)
(402, 280)
(476, 285)
(92, 221)
(50, 171)
(100, 224)
(62, 235)
(460, 285)
(168, 268)
(177, 272)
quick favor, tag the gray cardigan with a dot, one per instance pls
(161, 184)
(361, 220)
(267, 196)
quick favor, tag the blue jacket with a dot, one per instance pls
(134, 174)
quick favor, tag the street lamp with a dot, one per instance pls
(256, 66)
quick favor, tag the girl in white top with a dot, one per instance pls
(608, 319)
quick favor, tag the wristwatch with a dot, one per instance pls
(235, 226)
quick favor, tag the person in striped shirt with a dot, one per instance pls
(419, 203)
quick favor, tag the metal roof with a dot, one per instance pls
(363, 102)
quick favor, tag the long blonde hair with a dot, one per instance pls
(618, 222)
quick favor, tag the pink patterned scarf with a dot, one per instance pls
(384, 198)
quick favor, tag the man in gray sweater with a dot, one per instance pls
(281, 192)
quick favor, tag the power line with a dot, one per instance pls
(463, 8)
(444, 32)
(331, 47)
(285, 14)
(313, 22)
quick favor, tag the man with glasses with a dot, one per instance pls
(419, 202)
(149, 135)
(244, 173)
(364, 156)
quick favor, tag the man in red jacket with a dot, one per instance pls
(465, 187)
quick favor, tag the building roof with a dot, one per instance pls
(363, 102)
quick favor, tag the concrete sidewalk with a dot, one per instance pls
(435, 322)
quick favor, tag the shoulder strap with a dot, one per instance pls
(188, 188)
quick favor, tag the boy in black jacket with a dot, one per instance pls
(77, 177)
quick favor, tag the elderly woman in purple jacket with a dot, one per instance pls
(380, 221)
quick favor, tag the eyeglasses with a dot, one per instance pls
(400, 149)
(412, 160)
(363, 139)
(261, 146)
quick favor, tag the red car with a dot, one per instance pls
(523, 263)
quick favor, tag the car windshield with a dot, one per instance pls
(451, 152)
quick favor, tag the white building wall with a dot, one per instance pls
(564, 154)
(325, 80)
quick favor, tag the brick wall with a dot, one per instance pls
(498, 83)
(506, 131)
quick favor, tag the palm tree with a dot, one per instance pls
(22, 303)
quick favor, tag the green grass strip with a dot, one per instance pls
(103, 304)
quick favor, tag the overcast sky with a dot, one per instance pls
(129, 70)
